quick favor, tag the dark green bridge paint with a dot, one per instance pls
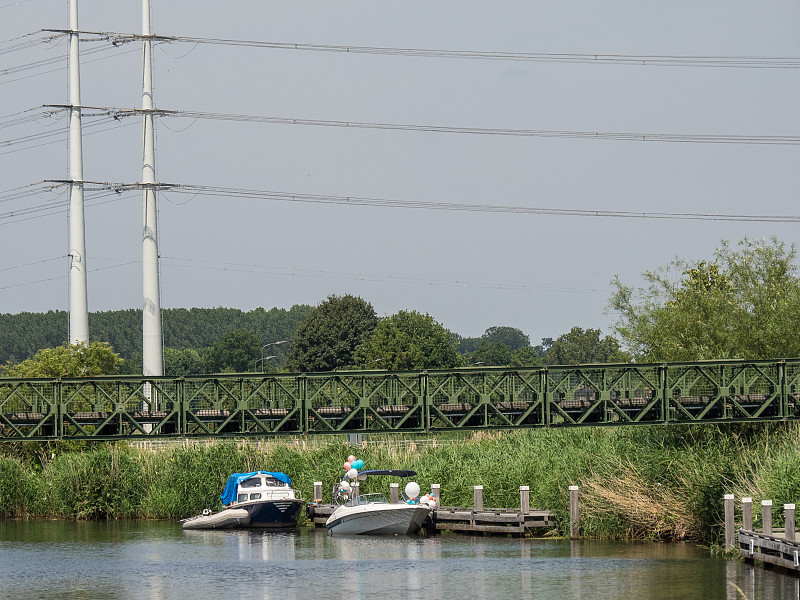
(382, 401)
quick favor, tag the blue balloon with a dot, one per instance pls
(358, 464)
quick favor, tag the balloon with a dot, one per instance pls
(351, 458)
(358, 464)
(345, 487)
(352, 474)
(412, 489)
(347, 466)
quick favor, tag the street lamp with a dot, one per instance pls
(261, 360)
(264, 347)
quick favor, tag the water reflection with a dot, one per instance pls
(159, 561)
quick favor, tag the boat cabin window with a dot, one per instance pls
(241, 498)
(255, 496)
(251, 483)
(367, 499)
(271, 481)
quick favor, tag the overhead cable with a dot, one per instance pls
(790, 140)
(746, 62)
(224, 192)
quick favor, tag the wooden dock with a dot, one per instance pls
(769, 549)
(498, 521)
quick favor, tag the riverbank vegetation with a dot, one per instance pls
(641, 482)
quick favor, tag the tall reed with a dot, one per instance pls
(663, 482)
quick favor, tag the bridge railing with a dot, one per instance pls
(371, 401)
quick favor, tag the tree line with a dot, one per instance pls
(745, 303)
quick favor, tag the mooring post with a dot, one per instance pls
(524, 499)
(394, 493)
(318, 492)
(574, 513)
(436, 490)
(766, 517)
(478, 495)
(747, 514)
(730, 529)
(788, 512)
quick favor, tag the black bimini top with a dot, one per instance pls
(393, 472)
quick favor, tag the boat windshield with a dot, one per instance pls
(367, 499)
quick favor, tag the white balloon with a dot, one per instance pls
(345, 487)
(352, 474)
(412, 489)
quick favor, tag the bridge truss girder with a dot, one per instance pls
(239, 405)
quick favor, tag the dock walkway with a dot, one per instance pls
(770, 549)
(502, 521)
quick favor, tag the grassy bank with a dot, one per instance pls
(638, 482)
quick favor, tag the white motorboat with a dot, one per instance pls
(260, 499)
(373, 514)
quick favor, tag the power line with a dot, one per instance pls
(747, 62)
(786, 140)
(213, 191)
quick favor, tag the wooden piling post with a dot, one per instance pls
(788, 512)
(574, 513)
(318, 492)
(478, 495)
(747, 514)
(766, 517)
(730, 529)
(394, 493)
(436, 490)
(524, 499)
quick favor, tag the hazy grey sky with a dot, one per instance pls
(469, 270)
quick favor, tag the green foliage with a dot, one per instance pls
(23, 334)
(327, 339)
(408, 341)
(510, 336)
(491, 354)
(179, 362)
(636, 482)
(236, 352)
(14, 480)
(585, 347)
(525, 357)
(68, 360)
(744, 304)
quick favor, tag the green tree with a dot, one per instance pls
(510, 336)
(328, 337)
(179, 362)
(744, 304)
(525, 357)
(409, 341)
(236, 352)
(491, 354)
(585, 347)
(68, 360)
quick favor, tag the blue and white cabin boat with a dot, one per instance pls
(268, 497)
(263, 499)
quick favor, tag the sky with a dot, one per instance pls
(469, 269)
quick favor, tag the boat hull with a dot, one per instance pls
(225, 519)
(273, 514)
(371, 519)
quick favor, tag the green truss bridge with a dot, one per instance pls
(105, 408)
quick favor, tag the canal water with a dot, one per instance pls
(157, 560)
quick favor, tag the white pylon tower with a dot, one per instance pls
(78, 303)
(152, 351)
